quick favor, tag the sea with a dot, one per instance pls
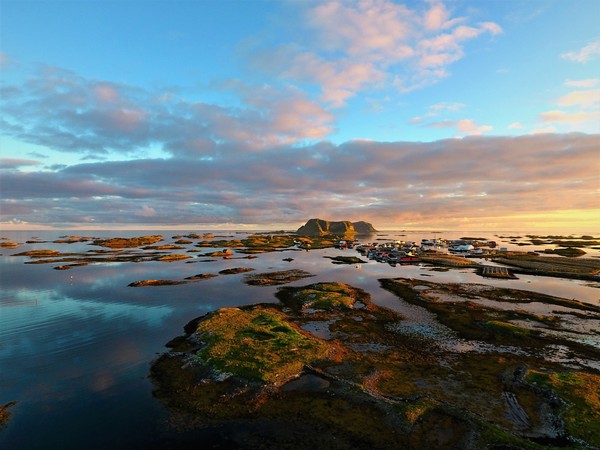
(76, 345)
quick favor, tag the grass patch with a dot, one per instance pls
(506, 328)
(257, 344)
(322, 296)
(581, 393)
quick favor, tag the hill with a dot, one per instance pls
(319, 227)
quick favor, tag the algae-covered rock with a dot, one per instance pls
(322, 296)
(39, 253)
(346, 260)
(201, 276)
(580, 393)
(5, 414)
(173, 257)
(235, 270)
(128, 242)
(257, 344)
(276, 278)
(155, 283)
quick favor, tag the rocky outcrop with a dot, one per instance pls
(319, 227)
(362, 227)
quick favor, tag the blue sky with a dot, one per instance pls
(333, 98)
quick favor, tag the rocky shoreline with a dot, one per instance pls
(369, 382)
(326, 367)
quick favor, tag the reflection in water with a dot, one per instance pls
(76, 345)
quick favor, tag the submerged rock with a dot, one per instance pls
(155, 283)
(235, 270)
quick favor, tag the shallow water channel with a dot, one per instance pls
(76, 345)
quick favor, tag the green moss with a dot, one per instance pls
(323, 296)
(276, 278)
(257, 344)
(581, 394)
(506, 328)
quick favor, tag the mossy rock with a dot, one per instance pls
(321, 296)
(345, 260)
(39, 253)
(570, 252)
(507, 328)
(258, 344)
(128, 242)
(173, 257)
(5, 414)
(9, 244)
(276, 278)
(580, 392)
(235, 270)
(142, 283)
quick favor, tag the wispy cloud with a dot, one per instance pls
(587, 83)
(578, 110)
(64, 111)
(587, 53)
(357, 46)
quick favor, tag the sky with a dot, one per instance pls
(452, 115)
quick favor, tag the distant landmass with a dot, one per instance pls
(319, 227)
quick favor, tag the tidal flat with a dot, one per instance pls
(274, 345)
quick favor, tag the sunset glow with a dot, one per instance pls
(456, 115)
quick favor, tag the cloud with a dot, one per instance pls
(446, 106)
(587, 53)
(391, 182)
(570, 117)
(515, 126)
(463, 126)
(574, 111)
(64, 111)
(587, 83)
(586, 99)
(436, 110)
(357, 46)
(14, 163)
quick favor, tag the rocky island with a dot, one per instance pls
(343, 229)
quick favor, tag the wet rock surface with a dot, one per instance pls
(276, 278)
(368, 383)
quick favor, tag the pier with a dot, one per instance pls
(497, 272)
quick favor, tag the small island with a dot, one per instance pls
(319, 227)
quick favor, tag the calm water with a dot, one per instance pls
(76, 345)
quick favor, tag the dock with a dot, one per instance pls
(497, 272)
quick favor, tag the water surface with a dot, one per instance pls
(76, 345)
